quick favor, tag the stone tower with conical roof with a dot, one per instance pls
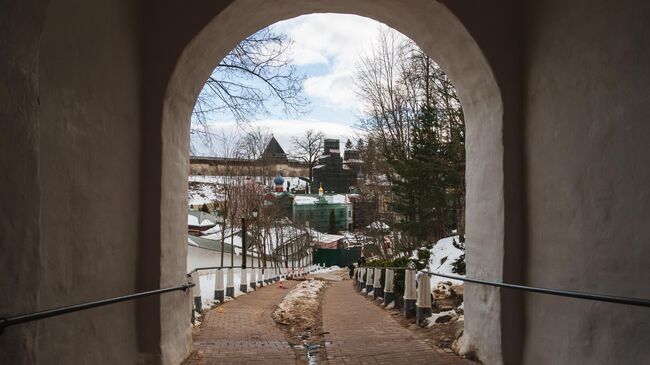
(274, 152)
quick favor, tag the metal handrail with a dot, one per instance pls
(235, 267)
(29, 317)
(639, 302)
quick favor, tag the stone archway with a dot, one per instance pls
(441, 34)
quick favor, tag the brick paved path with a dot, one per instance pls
(362, 333)
(359, 331)
(244, 333)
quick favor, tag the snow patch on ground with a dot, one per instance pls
(434, 317)
(300, 306)
(333, 273)
(443, 255)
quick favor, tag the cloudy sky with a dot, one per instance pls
(326, 49)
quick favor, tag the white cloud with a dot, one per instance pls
(337, 40)
(337, 87)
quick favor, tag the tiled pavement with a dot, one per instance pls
(359, 331)
(244, 333)
(362, 333)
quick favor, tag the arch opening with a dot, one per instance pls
(441, 35)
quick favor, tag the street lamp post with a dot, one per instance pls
(244, 278)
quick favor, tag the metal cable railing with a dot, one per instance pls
(29, 317)
(639, 302)
(239, 267)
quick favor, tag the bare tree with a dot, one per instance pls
(252, 147)
(308, 147)
(228, 148)
(258, 71)
(253, 143)
(413, 121)
(389, 97)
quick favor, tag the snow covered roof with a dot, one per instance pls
(201, 219)
(313, 199)
(336, 199)
(305, 199)
(319, 237)
(208, 244)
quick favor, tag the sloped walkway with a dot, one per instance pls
(244, 332)
(362, 333)
(359, 332)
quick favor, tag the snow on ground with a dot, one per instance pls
(209, 181)
(432, 320)
(330, 268)
(332, 273)
(443, 255)
(199, 194)
(300, 306)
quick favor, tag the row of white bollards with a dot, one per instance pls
(251, 277)
(417, 293)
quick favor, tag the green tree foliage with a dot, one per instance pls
(413, 118)
(417, 181)
(458, 266)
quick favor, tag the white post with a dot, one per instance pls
(196, 291)
(377, 284)
(362, 284)
(243, 280)
(253, 284)
(369, 280)
(409, 293)
(218, 286)
(260, 277)
(230, 282)
(389, 287)
(423, 303)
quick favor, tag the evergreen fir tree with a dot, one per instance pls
(418, 182)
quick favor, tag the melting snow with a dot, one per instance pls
(443, 255)
(301, 304)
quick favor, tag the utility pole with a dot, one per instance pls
(243, 243)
